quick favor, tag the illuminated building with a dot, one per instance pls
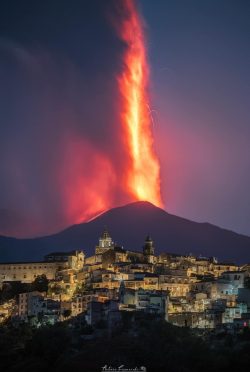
(27, 272)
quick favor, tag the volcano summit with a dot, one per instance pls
(128, 225)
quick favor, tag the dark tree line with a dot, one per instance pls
(142, 340)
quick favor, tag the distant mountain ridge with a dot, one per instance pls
(128, 226)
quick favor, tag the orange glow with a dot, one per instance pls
(87, 186)
(143, 174)
(75, 169)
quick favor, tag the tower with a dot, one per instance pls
(149, 250)
(105, 243)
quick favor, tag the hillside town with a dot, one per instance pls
(187, 291)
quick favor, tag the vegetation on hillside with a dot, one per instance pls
(142, 340)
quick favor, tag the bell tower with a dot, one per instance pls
(149, 250)
(105, 243)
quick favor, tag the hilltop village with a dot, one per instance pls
(187, 291)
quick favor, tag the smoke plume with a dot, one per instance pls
(76, 135)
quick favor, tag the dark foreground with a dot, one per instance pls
(143, 341)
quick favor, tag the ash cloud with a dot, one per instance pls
(61, 155)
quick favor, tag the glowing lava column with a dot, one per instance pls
(143, 172)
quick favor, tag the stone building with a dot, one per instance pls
(149, 250)
(105, 243)
(26, 272)
(114, 255)
(30, 304)
(74, 259)
(150, 301)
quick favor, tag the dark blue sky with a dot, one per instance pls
(200, 60)
(58, 94)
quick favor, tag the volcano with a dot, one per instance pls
(128, 226)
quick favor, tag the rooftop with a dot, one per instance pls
(71, 253)
(23, 263)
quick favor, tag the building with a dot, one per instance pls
(27, 272)
(176, 285)
(113, 255)
(184, 289)
(149, 250)
(155, 302)
(106, 312)
(105, 243)
(30, 304)
(7, 309)
(34, 307)
(74, 259)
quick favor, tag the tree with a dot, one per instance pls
(40, 284)
(12, 290)
(49, 343)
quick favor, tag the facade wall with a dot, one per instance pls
(29, 303)
(175, 289)
(27, 272)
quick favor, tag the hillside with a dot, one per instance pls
(128, 226)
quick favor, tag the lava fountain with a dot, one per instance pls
(143, 173)
(61, 169)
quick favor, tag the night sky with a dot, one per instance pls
(59, 111)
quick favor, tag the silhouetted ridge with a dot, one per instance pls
(128, 226)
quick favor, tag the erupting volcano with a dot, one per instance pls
(61, 168)
(143, 172)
